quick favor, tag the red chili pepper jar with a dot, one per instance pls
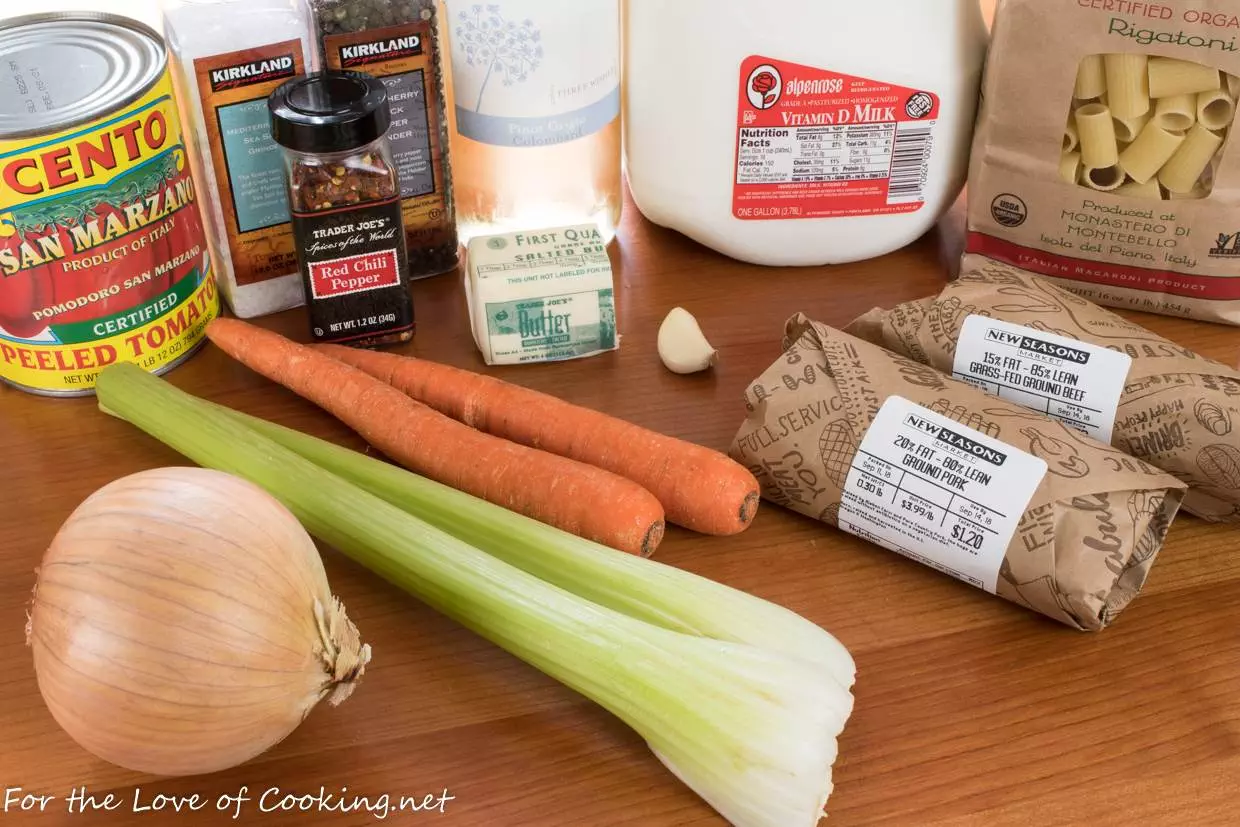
(344, 195)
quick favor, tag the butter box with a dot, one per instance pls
(541, 296)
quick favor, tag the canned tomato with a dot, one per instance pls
(103, 257)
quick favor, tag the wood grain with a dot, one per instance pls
(970, 711)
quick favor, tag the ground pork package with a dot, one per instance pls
(1105, 156)
(991, 493)
(1021, 338)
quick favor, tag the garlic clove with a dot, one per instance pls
(682, 345)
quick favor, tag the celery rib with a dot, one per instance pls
(643, 589)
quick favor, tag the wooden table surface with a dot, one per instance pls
(969, 710)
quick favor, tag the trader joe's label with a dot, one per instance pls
(938, 492)
(551, 328)
(1075, 382)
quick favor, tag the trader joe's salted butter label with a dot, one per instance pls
(938, 492)
(541, 296)
(1076, 382)
(818, 144)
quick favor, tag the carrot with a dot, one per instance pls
(700, 489)
(572, 496)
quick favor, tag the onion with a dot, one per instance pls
(182, 623)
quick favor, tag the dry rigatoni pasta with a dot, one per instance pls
(1149, 190)
(1149, 152)
(1170, 77)
(1128, 84)
(1131, 118)
(1215, 109)
(1176, 113)
(1070, 167)
(1091, 79)
(1183, 171)
(1127, 129)
(1095, 130)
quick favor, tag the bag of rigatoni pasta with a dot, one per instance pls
(1105, 156)
(976, 487)
(1021, 338)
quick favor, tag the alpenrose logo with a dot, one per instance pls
(271, 800)
(764, 86)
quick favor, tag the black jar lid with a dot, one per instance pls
(329, 112)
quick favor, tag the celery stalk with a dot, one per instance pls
(751, 730)
(644, 589)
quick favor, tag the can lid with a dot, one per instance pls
(61, 70)
(329, 112)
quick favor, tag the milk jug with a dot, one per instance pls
(800, 132)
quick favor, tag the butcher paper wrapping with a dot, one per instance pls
(1088, 536)
(1177, 410)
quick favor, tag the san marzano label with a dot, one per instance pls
(1076, 382)
(938, 492)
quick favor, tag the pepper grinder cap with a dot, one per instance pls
(329, 111)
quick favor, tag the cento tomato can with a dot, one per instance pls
(103, 257)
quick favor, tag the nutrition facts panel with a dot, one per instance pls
(814, 154)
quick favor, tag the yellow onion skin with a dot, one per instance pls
(182, 624)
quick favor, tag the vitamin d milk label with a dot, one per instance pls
(817, 144)
(938, 492)
(1077, 383)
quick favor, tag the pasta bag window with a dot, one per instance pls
(1103, 157)
(1147, 127)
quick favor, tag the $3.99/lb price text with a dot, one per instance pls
(268, 801)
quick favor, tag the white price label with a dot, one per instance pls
(938, 492)
(1079, 384)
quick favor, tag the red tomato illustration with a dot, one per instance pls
(20, 296)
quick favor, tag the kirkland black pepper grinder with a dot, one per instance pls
(344, 195)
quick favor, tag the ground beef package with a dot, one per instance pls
(1161, 402)
(989, 492)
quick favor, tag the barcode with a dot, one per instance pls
(908, 165)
